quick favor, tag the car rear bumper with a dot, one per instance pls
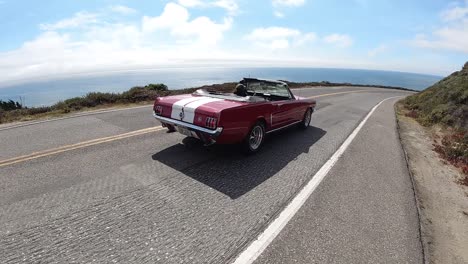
(207, 135)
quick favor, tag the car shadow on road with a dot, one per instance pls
(225, 169)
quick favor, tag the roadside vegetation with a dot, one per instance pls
(445, 106)
(9, 105)
(11, 111)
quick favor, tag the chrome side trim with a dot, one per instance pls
(276, 129)
(174, 122)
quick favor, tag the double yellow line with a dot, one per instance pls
(80, 145)
(49, 152)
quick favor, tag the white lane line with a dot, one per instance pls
(95, 112)
(253, 251)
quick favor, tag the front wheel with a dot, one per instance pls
(306, 120)
(255, 138)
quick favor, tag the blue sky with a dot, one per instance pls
(48, 39)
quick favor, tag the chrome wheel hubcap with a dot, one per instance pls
(256, 137)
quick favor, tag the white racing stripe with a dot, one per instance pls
(190, 108)
(253, 251)
(189, 105)
(177, 106)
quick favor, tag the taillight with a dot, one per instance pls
(211, 122)
(158, 110)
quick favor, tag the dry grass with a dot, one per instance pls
(451, 144)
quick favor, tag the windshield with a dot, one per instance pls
(269, 88)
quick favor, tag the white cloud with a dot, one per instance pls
(175, 18)
(279, 6)
(454, 13)
(229, 5)
(92, 42)
(289, 3)
(100, 42)
(191, 3)
(279, 37)
(451, 35)
(266, 34)
(124, 10)
(278, 14)
(447, 38)
(340, 40)
(377, 50)
(305, 38)
(79, 19)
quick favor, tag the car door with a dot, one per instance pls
(283, 113)
(283, 106)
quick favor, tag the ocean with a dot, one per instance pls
(49, 92)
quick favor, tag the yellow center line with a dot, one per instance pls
(84, 144)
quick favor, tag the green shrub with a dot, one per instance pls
(10, 105)
(443, 103)
(98, 98)
(38, 110)
(156, 87)
(76, 103)
(138, 94)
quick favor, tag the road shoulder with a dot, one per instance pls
(442, 202)
(363, 212)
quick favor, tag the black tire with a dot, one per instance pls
(306, 119)
(190, 142)
(171, 129)
(254, 140)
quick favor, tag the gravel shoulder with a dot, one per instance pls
(443, 203)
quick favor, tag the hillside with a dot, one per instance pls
(445, 106)
(445, 103)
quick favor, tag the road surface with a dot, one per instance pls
(91, 189)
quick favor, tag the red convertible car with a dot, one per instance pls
(256, 108)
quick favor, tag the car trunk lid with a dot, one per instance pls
(194, 109)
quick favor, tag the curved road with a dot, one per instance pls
(89, 188)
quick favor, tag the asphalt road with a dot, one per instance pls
(364, 212)
(150, 199)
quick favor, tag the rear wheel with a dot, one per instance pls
(255, 138)
(170, 128)
(306, 120)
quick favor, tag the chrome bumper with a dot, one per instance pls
(214, 133)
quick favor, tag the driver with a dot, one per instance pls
(241, 90)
